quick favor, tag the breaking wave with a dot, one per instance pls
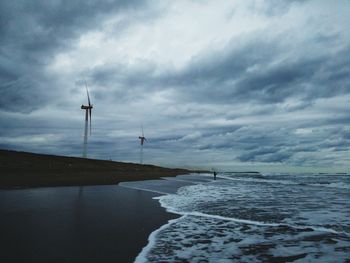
(251, 219)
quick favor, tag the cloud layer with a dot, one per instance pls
(232, 85)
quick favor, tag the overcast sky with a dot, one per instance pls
(249, 84)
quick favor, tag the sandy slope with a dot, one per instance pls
(29, 169)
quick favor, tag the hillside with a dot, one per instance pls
(25, 169)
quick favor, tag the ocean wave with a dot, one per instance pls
(261, 205)
(142, 256)
(194, 238)
(258, 180)
(251, 222)
(339, 185)
(235, 220)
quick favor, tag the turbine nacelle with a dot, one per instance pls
(83, 107)
(143, 139)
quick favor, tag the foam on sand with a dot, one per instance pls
(201, 239)
(252, 219)
(156, 186)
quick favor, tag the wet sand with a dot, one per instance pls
(77, 224)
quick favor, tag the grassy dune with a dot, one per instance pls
(22, 169)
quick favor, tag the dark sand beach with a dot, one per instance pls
(66, 209)
(77, 224)
(22, 169)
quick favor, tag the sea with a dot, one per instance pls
(251, 217)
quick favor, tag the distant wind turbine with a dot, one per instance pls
(142, 140)
(88, 110)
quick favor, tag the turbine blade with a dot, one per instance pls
(87, 92)
(90, 119)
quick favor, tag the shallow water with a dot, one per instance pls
(255, 218)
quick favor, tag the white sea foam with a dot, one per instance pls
(142, 257)
(249, 220)
(207, 239)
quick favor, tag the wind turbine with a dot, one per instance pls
(142, 140)
(88, 110)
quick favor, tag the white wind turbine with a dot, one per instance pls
(142, 140)
(88, 111)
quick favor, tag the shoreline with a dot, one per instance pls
(23, 169)
(89, 218)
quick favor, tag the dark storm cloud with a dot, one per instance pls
(276, 144)
(128, 83)
(37, 27)
(207, 75)
(277, 94)
(260, 156)
(32, 32)
(226, 77)
(285, 146)
(247, 73)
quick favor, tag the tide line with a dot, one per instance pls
(257, 223)
(143, 189)
(142, 257)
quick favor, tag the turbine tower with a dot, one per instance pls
(88, 110)
(142, 140)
